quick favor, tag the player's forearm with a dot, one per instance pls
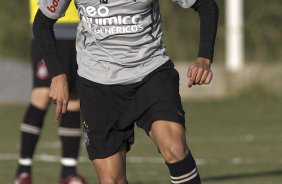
(44, 36)
(208, 12)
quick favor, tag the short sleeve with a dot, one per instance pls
(54, 9)
(184, 3)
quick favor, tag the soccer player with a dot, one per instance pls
(126, 77)
(69, 129)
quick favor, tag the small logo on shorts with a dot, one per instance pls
(85, 132)
(180, 113)
(41, 71)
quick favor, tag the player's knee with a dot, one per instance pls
(73, 105)
(113, 180)
(174, 151)
(40, 98)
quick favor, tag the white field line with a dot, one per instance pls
(236, 139)
(199, 140)
(158, 160)
(227, 138)
(147, 160)
(82, 159)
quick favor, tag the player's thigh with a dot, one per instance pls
(166, 132)
(170, 139)
(159, 99)
(106, 130)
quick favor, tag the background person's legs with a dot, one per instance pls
(70, 133)
(31, 127)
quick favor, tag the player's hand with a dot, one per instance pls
(200, 72)
(59, 94)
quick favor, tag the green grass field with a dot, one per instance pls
(234, 142)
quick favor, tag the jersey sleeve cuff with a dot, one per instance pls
(53, 9)
(185, 3)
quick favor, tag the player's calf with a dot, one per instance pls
(184, 171)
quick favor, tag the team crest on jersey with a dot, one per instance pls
(41, 71)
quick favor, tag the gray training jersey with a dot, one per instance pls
(118, 41)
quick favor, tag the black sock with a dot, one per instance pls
(69, 133)
(30, 132)
(184, 171)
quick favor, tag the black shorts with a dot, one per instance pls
(67, 55)
(109, 112)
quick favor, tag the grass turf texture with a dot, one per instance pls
(234, 141)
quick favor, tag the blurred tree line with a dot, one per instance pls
(181, 30)
(15, 29)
